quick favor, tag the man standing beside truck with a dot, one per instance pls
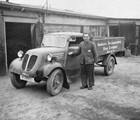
(88, 52)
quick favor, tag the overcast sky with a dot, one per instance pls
(109, 8)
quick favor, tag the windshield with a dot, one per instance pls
(54, 41)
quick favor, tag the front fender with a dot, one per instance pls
(47, 69)
(15, 66)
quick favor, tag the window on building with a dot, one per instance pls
(98, 31)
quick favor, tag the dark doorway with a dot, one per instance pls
(18, 37)
(127, 30)
(114, 30)
(137, 40)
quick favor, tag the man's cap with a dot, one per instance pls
(85, 34)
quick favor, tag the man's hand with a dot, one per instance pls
(70, 53)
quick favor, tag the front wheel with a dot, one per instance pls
(109, 68)
(55, 82)
(16, 82)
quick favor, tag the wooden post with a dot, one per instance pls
(3, 53)
(108, 31)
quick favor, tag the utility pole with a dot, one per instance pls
(46, 4)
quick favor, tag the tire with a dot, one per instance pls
(109, 68)
(16, 82)
(55, 82)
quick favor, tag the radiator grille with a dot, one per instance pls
(25, 61)
(31, 63)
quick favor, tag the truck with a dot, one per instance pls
(52, 64)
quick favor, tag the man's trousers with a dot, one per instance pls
(87, 75)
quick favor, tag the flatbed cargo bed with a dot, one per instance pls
(106, 45)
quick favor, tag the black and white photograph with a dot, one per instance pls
(69, 60)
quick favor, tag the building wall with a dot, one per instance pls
(117, 21)
(73, 20)
(57, 23)
(20, 16)
(61, 28)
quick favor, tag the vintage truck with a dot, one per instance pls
(51, 62)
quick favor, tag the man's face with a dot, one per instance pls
(86, 37)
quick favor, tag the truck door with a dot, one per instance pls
(72, 63)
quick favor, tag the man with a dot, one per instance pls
(88, 57)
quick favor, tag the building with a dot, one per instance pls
(22, 27)
(129, 28)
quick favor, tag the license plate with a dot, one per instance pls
(26, 78)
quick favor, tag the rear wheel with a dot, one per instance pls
(16, 82)
(109, 68)
(55, 82)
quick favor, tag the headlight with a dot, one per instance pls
(49, 57)
(20, 54)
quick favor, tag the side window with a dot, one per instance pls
(77, 42)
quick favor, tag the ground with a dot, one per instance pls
(115, 97)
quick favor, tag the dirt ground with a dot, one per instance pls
(115, 97)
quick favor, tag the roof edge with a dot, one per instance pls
(49, 10)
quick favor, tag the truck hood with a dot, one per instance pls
(38, 57)
(45, 50)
